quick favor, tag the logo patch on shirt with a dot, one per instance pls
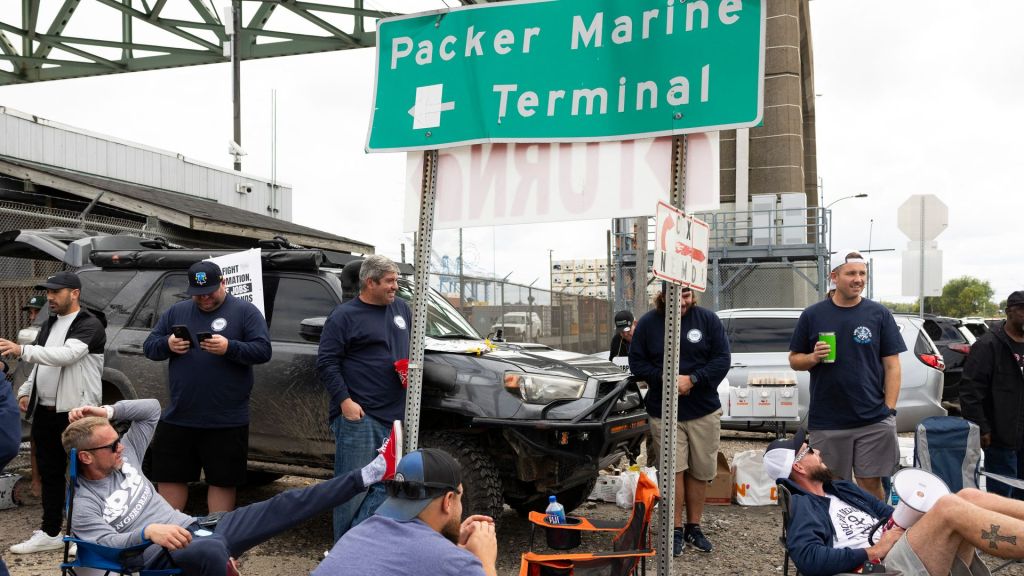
(219, 324)
(400, 322)
(862, 335)
(694, 335)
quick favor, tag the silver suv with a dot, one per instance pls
(759, 340)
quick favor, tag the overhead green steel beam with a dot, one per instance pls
(203, 36)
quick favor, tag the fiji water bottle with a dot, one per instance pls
(555, 513)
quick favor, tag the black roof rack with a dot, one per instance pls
(291, 259)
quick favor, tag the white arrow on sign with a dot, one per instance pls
(426, 113)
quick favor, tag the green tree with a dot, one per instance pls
(963, 296)
(901, 307)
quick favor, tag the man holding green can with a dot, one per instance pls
(851, 346)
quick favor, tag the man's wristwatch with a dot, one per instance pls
(694, 379)
(892, 411)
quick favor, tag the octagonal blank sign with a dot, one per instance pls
(922, 217)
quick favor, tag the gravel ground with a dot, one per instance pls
(745, 538)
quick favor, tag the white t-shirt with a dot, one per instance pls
(851, 524)
(47, 377)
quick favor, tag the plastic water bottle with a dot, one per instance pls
(555, 513)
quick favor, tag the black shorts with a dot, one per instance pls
(180, 452)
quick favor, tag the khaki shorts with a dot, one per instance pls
(697, 443)
(903, 558)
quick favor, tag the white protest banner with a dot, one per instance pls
(681, 248)
(243, 275)
(498, 184)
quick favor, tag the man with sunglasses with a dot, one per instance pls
(832, 522)
(67, 372)
(421, 522)
(115, 504)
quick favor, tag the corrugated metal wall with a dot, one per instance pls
(38, 140)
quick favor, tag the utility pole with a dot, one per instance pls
(236, 75)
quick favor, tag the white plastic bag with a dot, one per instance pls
(752, 486)
(624, 498)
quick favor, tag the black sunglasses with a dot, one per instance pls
(417, 490)
(112, 446)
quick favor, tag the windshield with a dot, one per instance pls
(443, 320)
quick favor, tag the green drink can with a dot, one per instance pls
(830, 339)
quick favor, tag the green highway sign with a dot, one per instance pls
(567, 70)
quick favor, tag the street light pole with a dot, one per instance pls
(828, 216)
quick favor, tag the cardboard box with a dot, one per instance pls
(762, 398)
(719, 492)
(739, 402)
(787, 402)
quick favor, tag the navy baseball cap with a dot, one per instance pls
(61, 280)
(421, 477)
(203, 278)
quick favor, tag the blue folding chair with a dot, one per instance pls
(123, 561)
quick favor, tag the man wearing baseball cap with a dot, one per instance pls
(852, 411)
(990, 395)
(831, 521)
(212, 342)
(421, 522)
(34, 305)
(624, 325)
(68, 359)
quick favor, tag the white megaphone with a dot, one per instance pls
(918, 491)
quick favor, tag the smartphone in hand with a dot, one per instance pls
(181, 331)
(200, 336)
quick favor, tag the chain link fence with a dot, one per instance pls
(18, 276)
(526, 314)
(761, 285)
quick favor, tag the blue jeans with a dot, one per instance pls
(1006, 462)
(246, 527)
(355, 444)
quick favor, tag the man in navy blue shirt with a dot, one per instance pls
(362, 340)
(205, 426)
(10, 430)
(703, 363)
(852, 413)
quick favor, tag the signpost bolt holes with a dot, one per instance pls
(428, 133)
(678, 116)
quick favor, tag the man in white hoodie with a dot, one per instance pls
(68, 358)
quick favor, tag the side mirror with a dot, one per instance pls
(311, 328)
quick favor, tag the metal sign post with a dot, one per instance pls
(424, 239)
(669, 392)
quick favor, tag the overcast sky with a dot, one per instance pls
(917, 97)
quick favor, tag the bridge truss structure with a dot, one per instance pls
(60, 39)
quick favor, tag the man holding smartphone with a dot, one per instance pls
(212, 342)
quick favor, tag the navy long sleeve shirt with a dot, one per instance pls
(703, 353)
(207, 390)
(358, 349)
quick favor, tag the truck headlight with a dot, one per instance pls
(537, 389)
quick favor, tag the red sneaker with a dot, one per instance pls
(232, 568)
(391, 449)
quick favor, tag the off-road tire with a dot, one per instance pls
(481, 484)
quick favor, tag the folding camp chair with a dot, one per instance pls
(630, 548)
(950, 448)
(784, 501)
(123, 561)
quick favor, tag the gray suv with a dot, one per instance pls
(759, 340)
